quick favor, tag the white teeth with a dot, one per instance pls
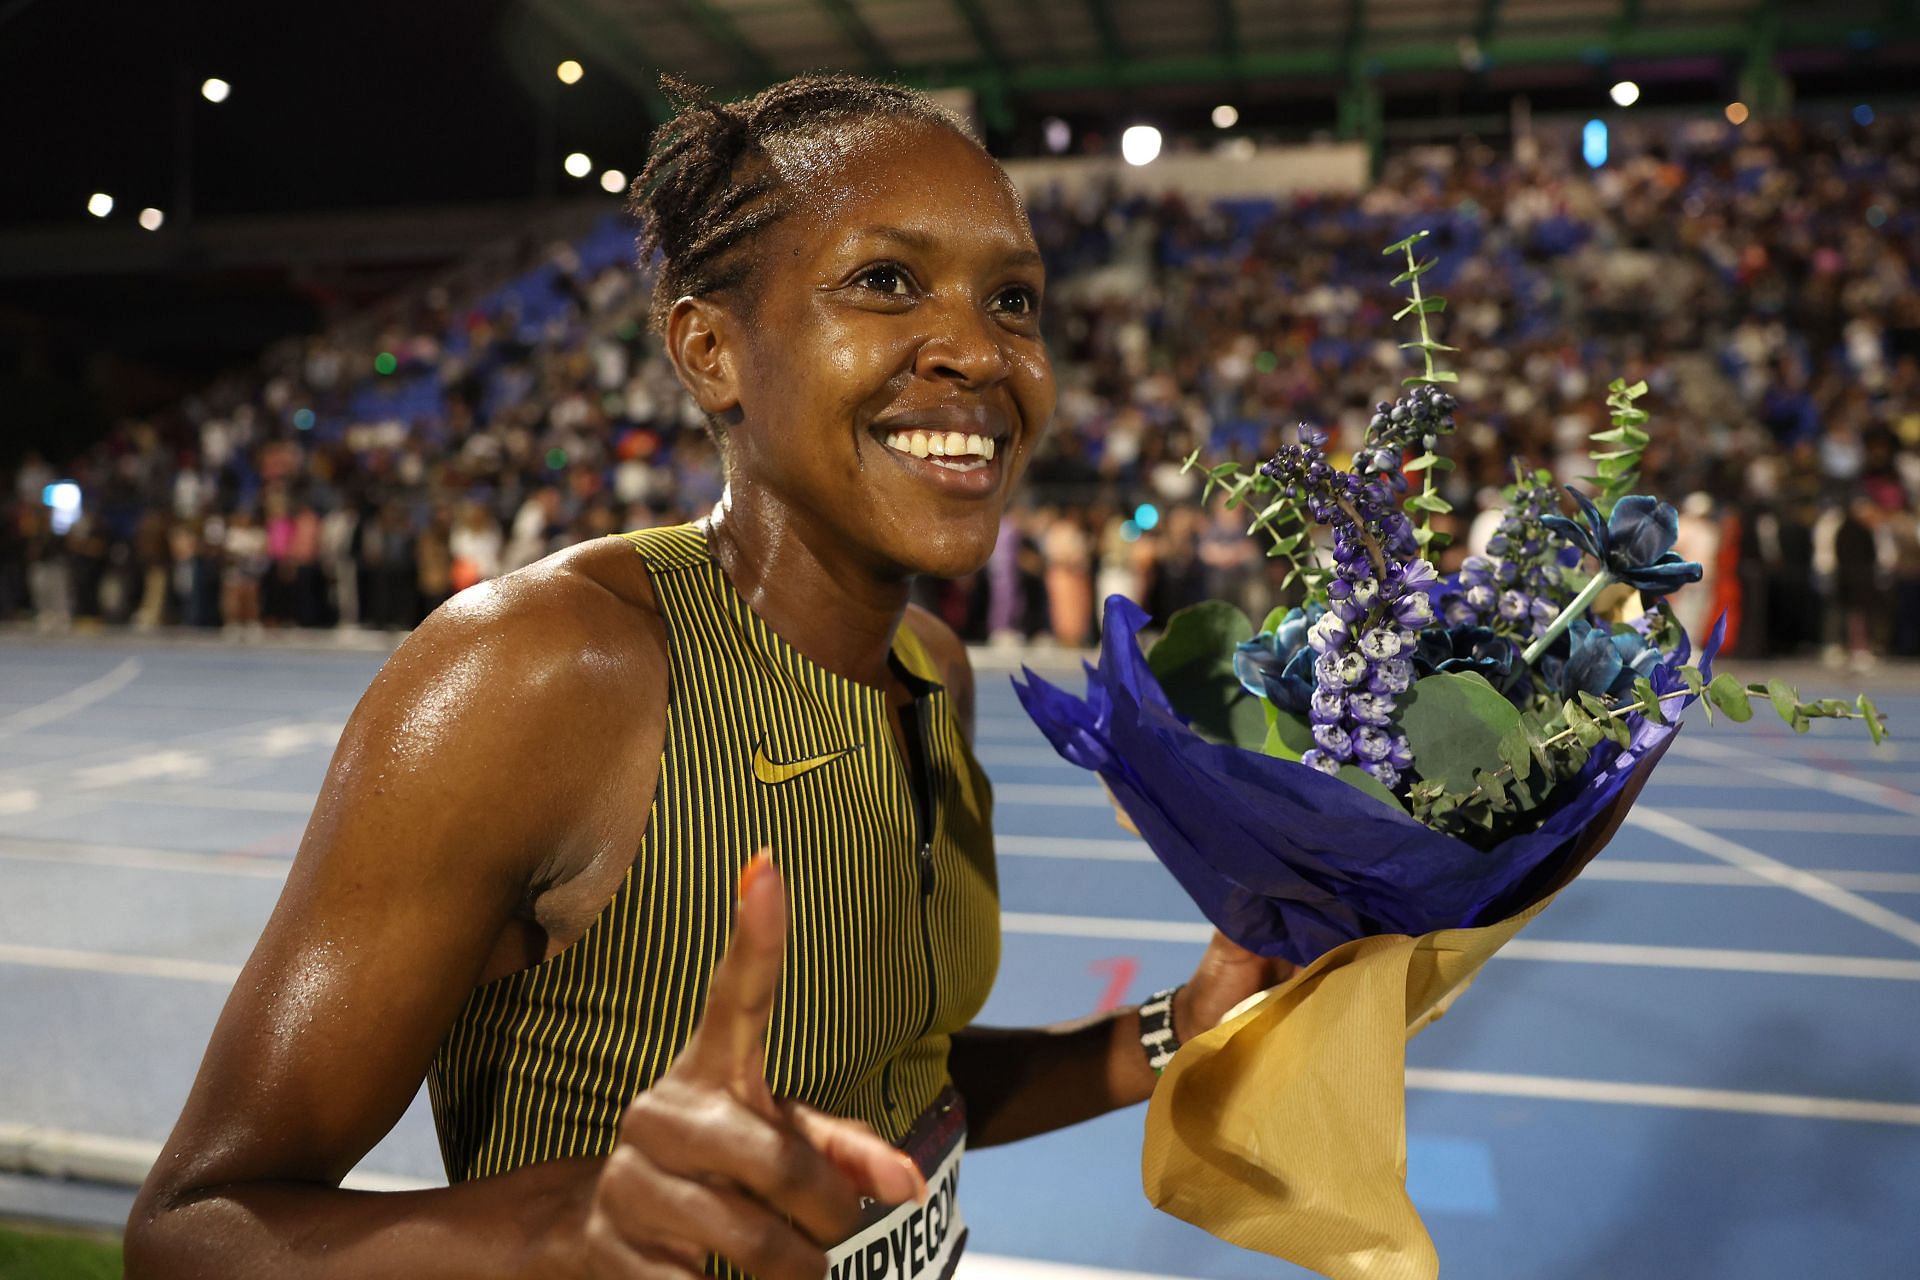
(977, 449)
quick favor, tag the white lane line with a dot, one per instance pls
(1804, 883)
(1663, 1095)
(1070, 795)
(140, 858)
(990, 1266)
(1716, 958)
(75, 699)
(1054, 926)
(1798, 821)
(1800, 775)
(1636, 872)
(239, 799)
(1606, 953)
(1022, 757)
(1087, 847)
(97, 1157)
(123, 965)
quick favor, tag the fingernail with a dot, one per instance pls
(922, 1192)
(751, 872)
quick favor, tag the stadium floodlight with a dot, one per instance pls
(579, 165)
(570, 72)
(1225, 116)
(1140, 144)
(1057, 133)
(1593, 143)
(151, 219)
(214, 89)
(1737, 113)
(613, 182)
(1624, 94)
(99, 204)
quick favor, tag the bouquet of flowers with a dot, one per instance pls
(1383, 784)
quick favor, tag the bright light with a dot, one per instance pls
(1225, 116)
(613, 182)
(63, 498)
(569, 72)
(215, 89)
(1863, 115)
(1146, 515)
(1737, 113)
(578, 165)
(1624, 94)
(1058, 134)
(1140, 144)
(99, 204)
(151, 219)
(1593, 143)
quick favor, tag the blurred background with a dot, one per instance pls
(311, 317)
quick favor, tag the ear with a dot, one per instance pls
(699, 337)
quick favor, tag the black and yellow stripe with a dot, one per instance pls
(894, 918)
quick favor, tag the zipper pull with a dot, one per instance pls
(926, 870)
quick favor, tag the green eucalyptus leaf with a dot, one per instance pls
(1649, 700)
(1875, 725)
(1454, 722)
(1516, 751)
(1785, 698)
(1288, 736)
(1696, 685)
(1354, 776)
(1193, 661)
(1730, 696)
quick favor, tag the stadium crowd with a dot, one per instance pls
(1761, 280)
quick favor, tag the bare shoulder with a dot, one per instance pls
(949, 654)
(535, 684)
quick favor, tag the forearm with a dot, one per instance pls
(1022, 1081)
(522, 1224)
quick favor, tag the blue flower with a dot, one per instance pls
(1635, 545)
(1604, 662)
(1468, 648)
(1278, 665)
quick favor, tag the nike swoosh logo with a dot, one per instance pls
(774, 772)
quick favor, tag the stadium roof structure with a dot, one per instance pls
(1035, 49)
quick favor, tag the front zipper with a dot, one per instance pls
(923, 810)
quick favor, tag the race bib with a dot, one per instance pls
(915, 1241)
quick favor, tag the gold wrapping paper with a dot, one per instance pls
(1284, 1129)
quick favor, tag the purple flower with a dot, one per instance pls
(1381, 643)
(1392, 677)
(1370, 708)
(1333, 740)
(1328, 706)
(1372, 743)
(1635, 544)
(1415, 609)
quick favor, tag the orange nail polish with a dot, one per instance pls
(750, 872)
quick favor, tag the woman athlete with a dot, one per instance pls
(635, 1072)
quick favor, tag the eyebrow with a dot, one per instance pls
(927, 243)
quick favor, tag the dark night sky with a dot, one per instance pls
(350, 103)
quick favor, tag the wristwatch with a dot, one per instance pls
(1156, 1029)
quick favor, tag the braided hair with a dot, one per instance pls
(710, 187)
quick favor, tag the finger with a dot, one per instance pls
(730, 1141)
(624, 1231)
(731, 1040)
(682, 1219)
(876, 1168)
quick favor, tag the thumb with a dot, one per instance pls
(730, 1044)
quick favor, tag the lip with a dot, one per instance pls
(979, 483)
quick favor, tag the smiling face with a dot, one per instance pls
(882, 376)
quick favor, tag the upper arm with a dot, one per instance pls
(949, 654)
(474, 764)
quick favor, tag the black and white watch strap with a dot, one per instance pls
(1156, 1029)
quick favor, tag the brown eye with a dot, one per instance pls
(884, 277)
(1018, 300)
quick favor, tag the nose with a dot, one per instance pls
(964, 346)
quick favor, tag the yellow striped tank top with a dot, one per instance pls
(893, 935)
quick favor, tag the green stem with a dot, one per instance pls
(1425, 526)
(1567, 615)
